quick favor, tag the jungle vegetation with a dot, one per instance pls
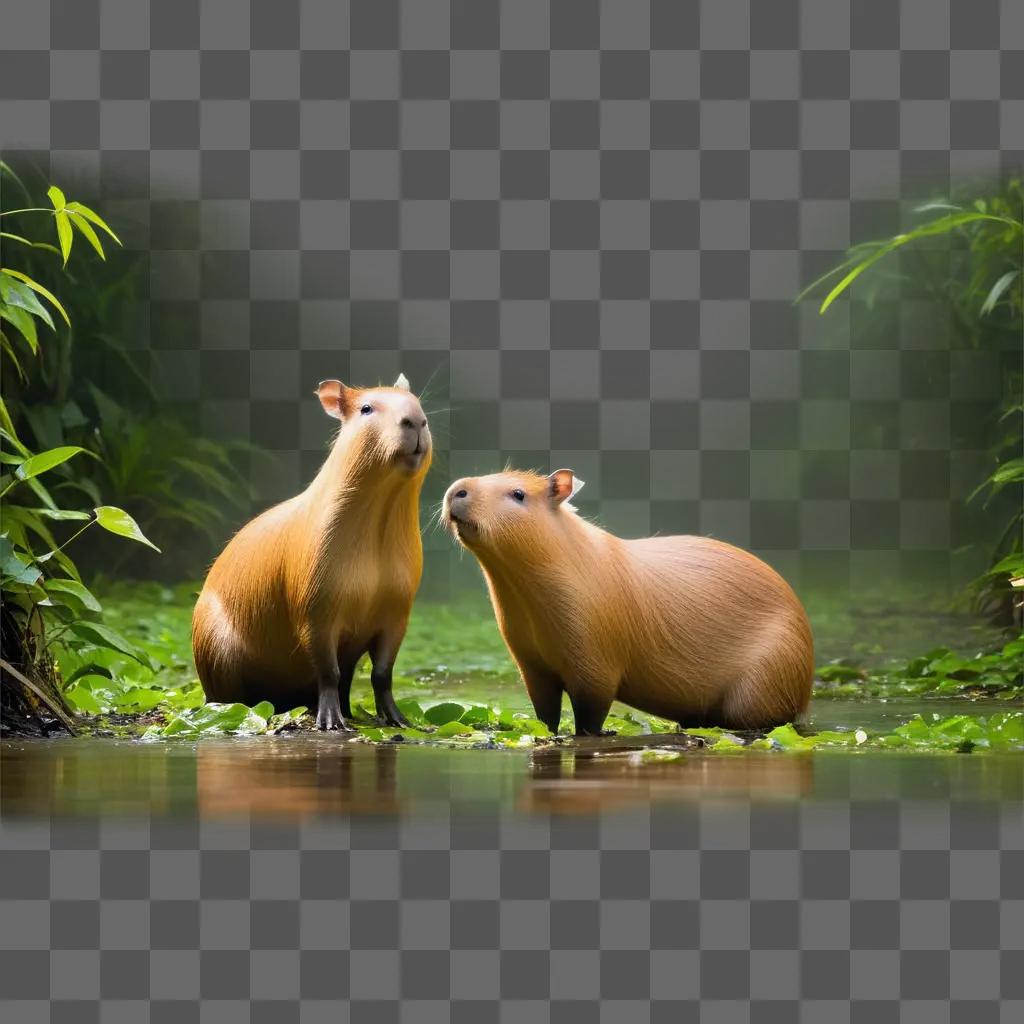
(89, 449)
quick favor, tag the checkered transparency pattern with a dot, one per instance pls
(582, 221)
(818, 910)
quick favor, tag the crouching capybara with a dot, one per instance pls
(688, 628)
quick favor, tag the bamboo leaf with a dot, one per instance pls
(939, 204)
(37, 287)
(64, 234)
(82, 210)
(937, 227)
(997, 291)
(7, 431)
(824, 277)
(8, 349)
(15, 293)
(56, 197)
(61, 514)
(85, 228)
(45, 461)
(28, 241)
(23, 323)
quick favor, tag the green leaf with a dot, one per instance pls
(8, 349)
(37, 287)
(937, 227)
(997, 291)
(12, 567)
(76, 590)
(45, 461)
(15, 292)
(61, 514)
(213, 718)
(940, 204)
(95, 218)
(440, 714)
(118, 521)
(85, 228)
(23, 322)
(86, 669)
(478, 716)
(453, 729)
(56, 197)
(103, 636)
(64, 234)
(264, 709)
(28, 241)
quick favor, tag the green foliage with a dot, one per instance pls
(978, 275)
(45, 600)
(89, 387)
(458, 689)
(938, 673)
(46, 605)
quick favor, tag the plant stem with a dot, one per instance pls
(27, 209)
(61, 547)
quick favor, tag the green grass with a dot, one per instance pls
(458, 687)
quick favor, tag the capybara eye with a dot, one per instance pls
(518, 495)
(366, 410)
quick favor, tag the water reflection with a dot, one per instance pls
(586, 779)
(293, 781)
(310, 776)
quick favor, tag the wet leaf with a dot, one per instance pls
(441, 714)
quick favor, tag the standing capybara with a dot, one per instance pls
(688, 628)
(305, 589)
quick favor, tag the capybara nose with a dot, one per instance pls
(457, 500)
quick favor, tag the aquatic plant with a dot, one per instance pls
(459, 689)
(938, 673)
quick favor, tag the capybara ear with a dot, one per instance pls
(561, 485)
(402, 382)
(335, 398)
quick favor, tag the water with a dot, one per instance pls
(309, 775)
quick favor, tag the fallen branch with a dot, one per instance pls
(42, 695)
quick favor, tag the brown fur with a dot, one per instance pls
(305, 589)
(688, 628)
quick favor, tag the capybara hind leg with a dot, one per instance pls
(589, 711)
(222, 680)
(383, 652)
(746, 706)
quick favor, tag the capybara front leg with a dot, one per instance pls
(328, 708)
(545, 692)
(589, 711)
(328, 679)
(383, 652)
